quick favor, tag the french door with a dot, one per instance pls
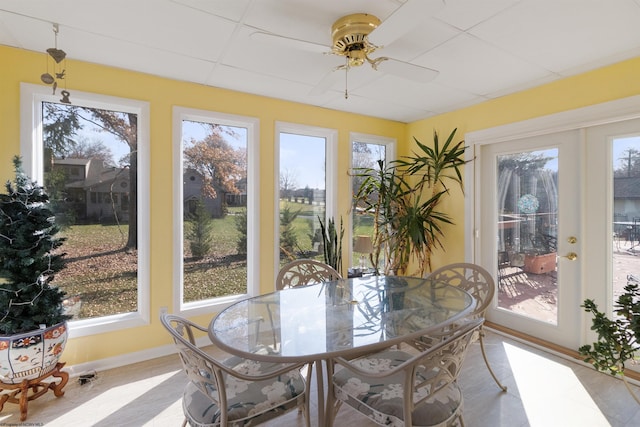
(612, 220)
(556, 219)
(529, 200)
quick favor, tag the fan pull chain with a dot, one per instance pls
(346, 78)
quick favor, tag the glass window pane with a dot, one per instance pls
(302, 199)
(90, 172)
(364, 155)
(215, 210)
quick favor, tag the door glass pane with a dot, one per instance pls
(626, 213)
(527, 194)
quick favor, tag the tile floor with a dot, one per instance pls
(544, 391)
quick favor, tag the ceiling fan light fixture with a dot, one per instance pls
(349, 35)
(356, 58)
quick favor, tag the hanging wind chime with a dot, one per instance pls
(58, 55)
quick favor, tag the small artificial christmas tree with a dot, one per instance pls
(28, 258)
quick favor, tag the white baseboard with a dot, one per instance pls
(125, 359)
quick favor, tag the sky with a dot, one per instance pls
(620, 146)
(304, 157)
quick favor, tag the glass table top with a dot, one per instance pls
(335, 318)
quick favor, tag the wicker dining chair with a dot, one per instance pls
(400, 388)
(234, 392)
(304, 272)
(479, 283)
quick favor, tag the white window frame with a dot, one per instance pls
(253, 203)
(389, 155)
(331, 173)
(31, 150)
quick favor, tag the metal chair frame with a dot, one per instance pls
(478, 282)
(426, 375)
(303, 272)
(208, 374)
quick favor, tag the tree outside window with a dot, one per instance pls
(90, 167)
(214, 198)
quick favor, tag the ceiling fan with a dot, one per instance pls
(359, 35)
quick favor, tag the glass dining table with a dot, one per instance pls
(344, 317)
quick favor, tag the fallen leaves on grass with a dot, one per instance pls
(104, 275)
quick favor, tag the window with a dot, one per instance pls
(306, 180)
(367, 150)
(78, 152)
(215, 171)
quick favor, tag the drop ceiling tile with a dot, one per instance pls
(27, 33)
(601, 62)
(252, 82)
(469, 64)
(558, 35)
(147, 23)
(155, 24)
(510, 45)
(91, 48)
(419, 40)
(370, 107)
(464, 14)
(232, 10)
(428, 97)
(6, 38)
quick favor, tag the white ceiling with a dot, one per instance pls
(482, 49)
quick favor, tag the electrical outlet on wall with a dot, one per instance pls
(163, 310)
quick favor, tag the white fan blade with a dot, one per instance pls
(404, 19)
(407, 71)
(288, 42)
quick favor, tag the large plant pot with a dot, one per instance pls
(540, 264)
(31, 354)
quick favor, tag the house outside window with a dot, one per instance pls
(215, 172)
(106, 279)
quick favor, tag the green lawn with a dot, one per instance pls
(104, 276)
(223, 271)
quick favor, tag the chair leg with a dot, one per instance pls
(486, 361)
(306, 410)
(332, 411)
(184, 423)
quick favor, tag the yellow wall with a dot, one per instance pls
(162, 94)
(605, 84)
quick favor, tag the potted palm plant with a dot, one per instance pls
(404, 199)
(33, 328)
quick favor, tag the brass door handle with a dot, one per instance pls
(571, 256)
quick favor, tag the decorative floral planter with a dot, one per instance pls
(31, 354)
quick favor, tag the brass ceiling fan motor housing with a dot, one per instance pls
(349, 35)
